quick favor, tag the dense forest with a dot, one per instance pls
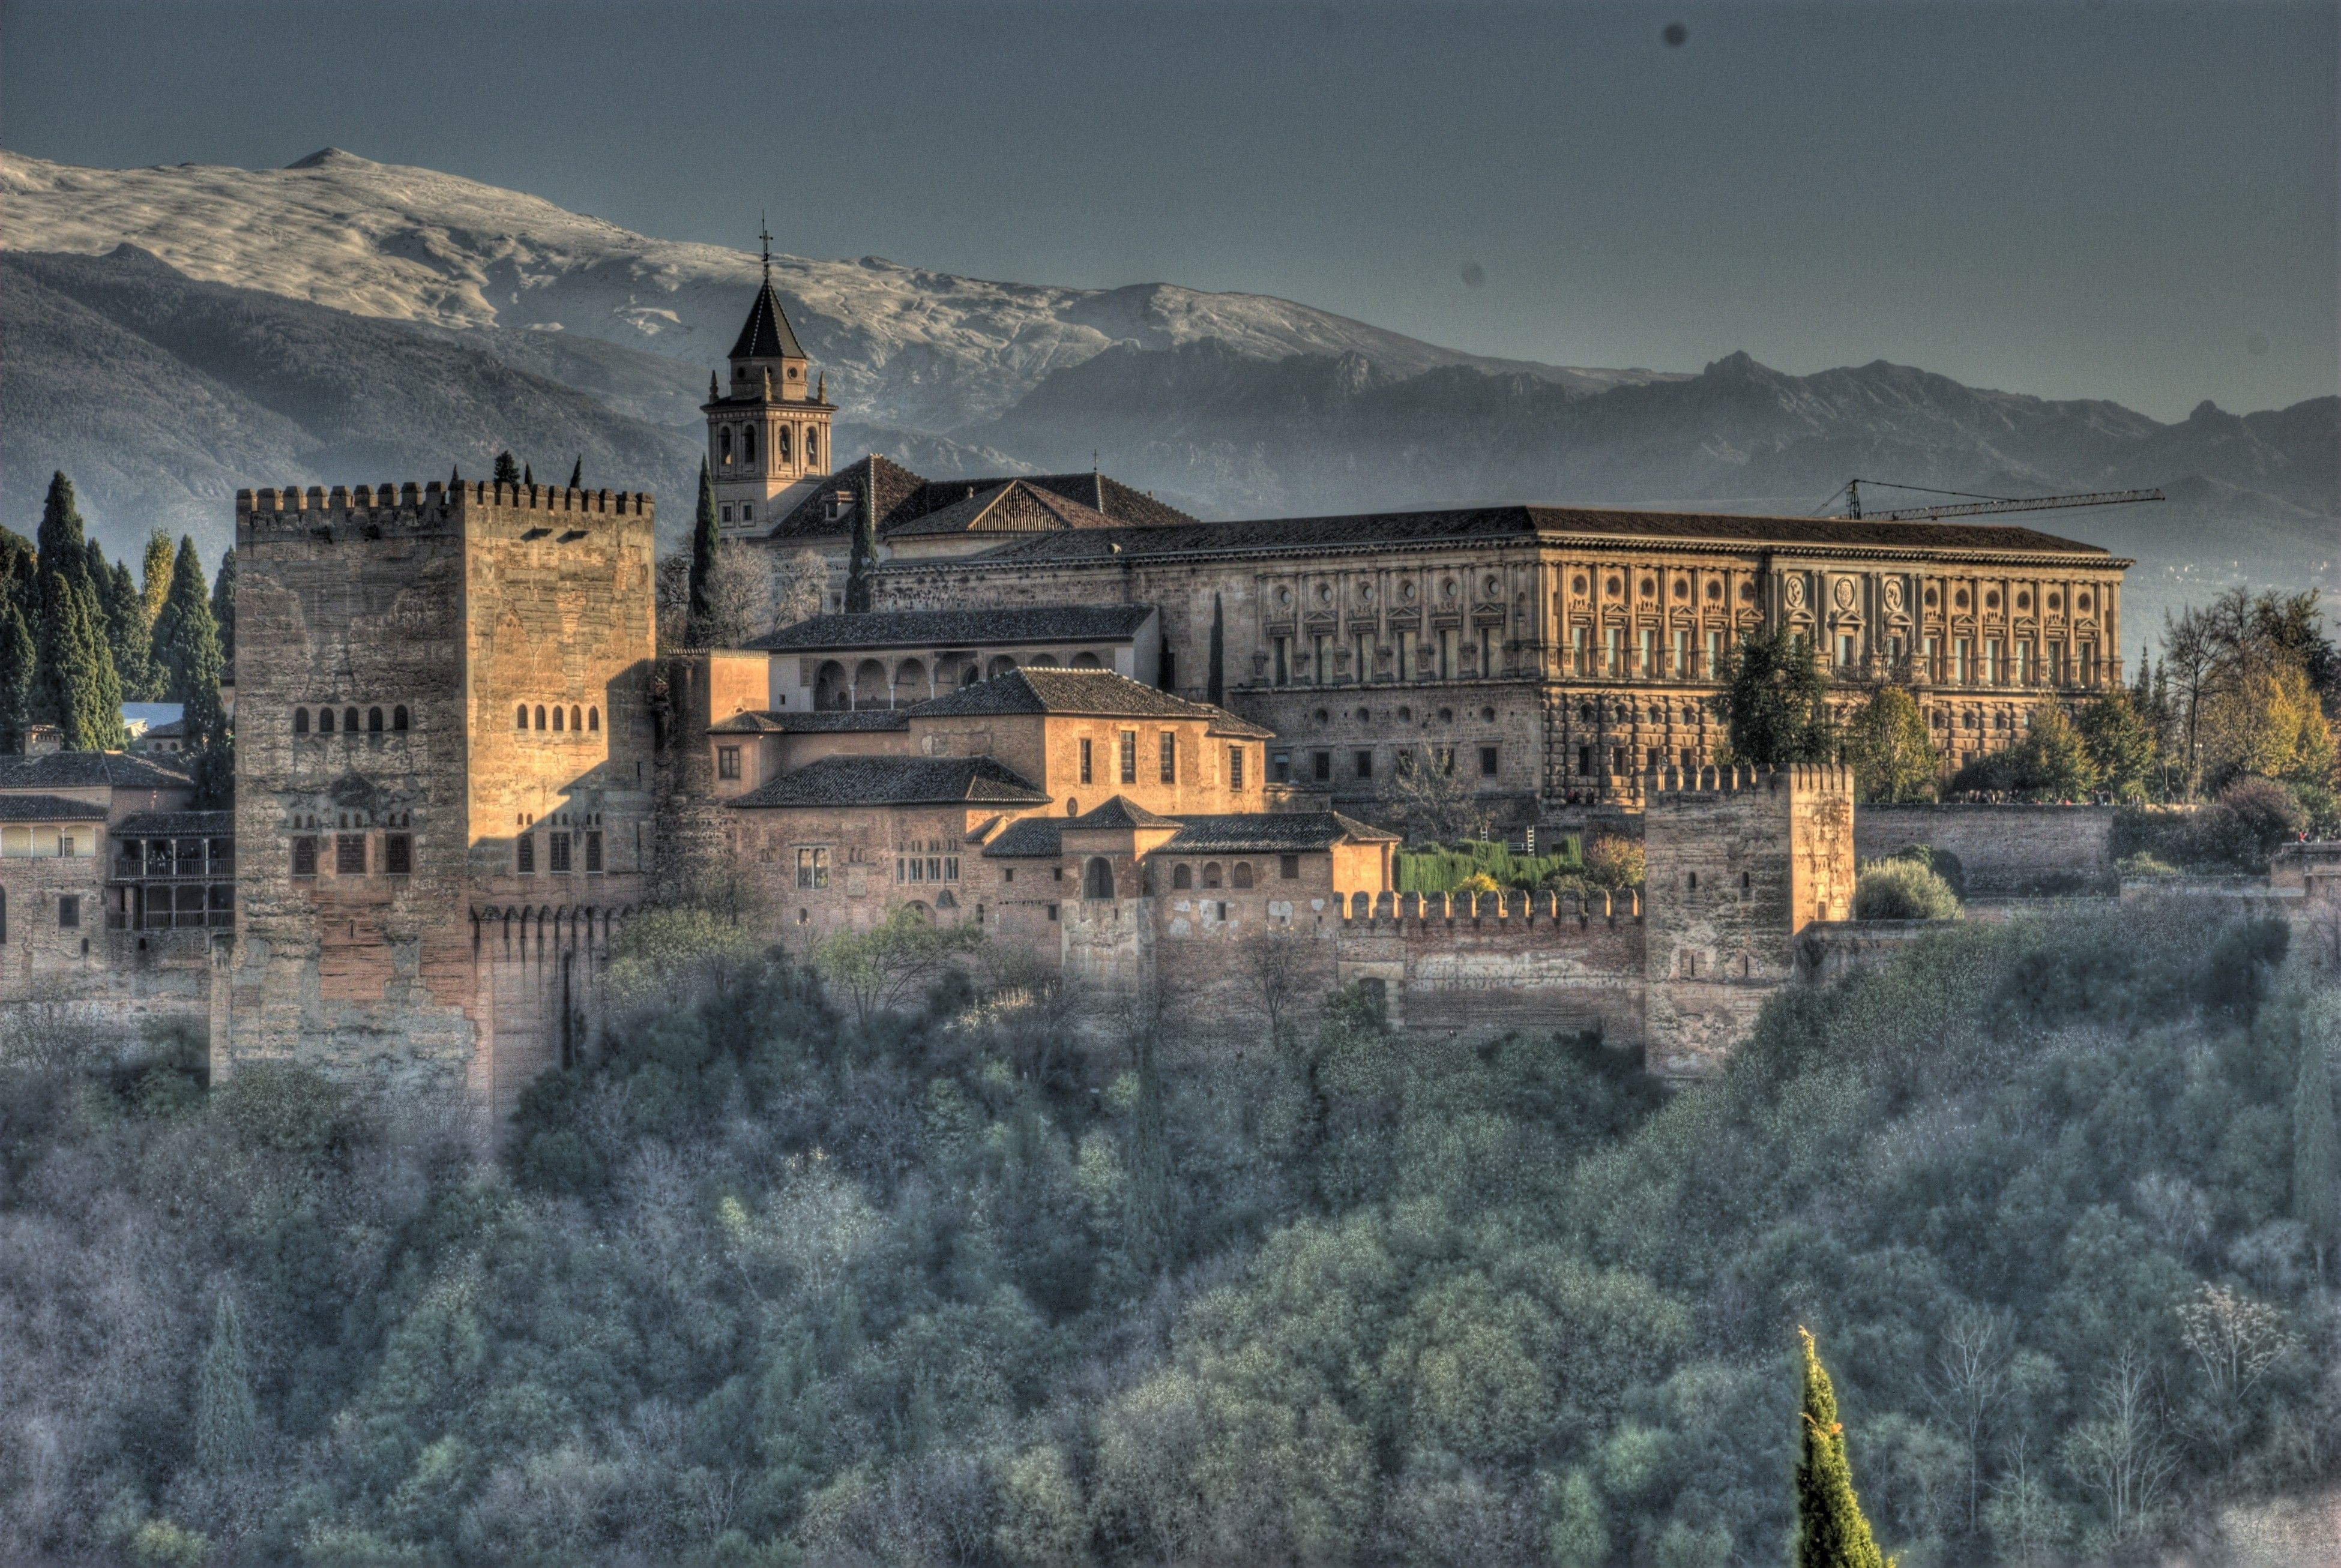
(1005, 1278)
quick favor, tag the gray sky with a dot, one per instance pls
(2069, 197)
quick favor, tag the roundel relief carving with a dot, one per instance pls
(1795, 593)
(1894, 593)
(1845, 593)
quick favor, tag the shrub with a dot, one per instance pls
(1903, 890)
(1614, 862)
(1941, 862)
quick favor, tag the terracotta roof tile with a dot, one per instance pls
(961, 628)
(895, 781)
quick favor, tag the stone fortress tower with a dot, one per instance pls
(444, 774)
(767, 433)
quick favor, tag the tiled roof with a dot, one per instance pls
(1099, 694)
(1271, 832)
(48, 809)
(896, 781)
(773, 721)
(1015, 507)
(901, 498)
(890, 484)
(766, 335)
(961, 628)
(1121, 812)
(88, 771)
(176, 824)
(1480, 524)
(1028, 837)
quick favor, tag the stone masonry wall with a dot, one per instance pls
(2005, 850)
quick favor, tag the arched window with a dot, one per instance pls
(540, 716)
(560, 715)
(350, 719)
(1085, 660)
(724, 444)
(1182, 876)
(1000, 665)
(576, 719)
(1210, 873)
(812, 446)
(1097, 878)
(300, 722)
(748, 443)
(781, 444)
(593, 720)
(1242, 876)
(398, 719)
(324, 722)
(373, 720)
(1658, 715)
(520, 719)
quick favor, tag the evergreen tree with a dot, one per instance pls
(187, 650)
(1150, 1193)
(1216, 691)
(19, 665)
(2119, 739)
(1775, 704)
(1830, 1531)
(224, 612)
(2316, 1152)
(227, 1417)
(78, 690)
(705, 543)
(18, 568)
(454, 475)
(577, 473)
(129, 637)
(527, 477)
(155, 574)
(61, 547)
(507, 470)
(864, 558)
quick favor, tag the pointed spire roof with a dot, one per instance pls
(767, 335)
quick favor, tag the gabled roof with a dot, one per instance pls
(1028, 839)
(88, 771)
(1094, 693)
(1016, 507)
(773, 721)
(1121, 812)
(899, 499)
(896, 781)
(766, 335)
(961, 628)
(176, 824)
(1531, 523)
(48, 809)
(1271, 832)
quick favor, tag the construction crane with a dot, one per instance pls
(1974, 504)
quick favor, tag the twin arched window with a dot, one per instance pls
(781, 444)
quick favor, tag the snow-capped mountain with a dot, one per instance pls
(901, 345)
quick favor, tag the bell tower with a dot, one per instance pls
(768, 431)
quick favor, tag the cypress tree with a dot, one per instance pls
(224, 612)
(225, 1415)
(188, 647)
(1151, 1191)
(703, 544)
(507, 469)
(155, 574)
(18, 567)
(79, 691)
(454, 475)
(61, 547)
(864, 558)
(19, 663)
(1215, 691)
(527, 477)
(1830, 1530)
(2316, 1152)
(129, 636)
(577, 473)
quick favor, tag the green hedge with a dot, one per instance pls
(1437, 869)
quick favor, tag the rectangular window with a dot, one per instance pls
(1962, 664)
(1169, 747)
(1617, 759)
(398, 854)
(1283, 673)
(1617, 651)
(727, 514)
(1585, 762)
(558, 844)
(349, 854)
(1129, 756)
(1682, 652)
(727, 762)
(1934, 658)
(1086, 769)
(1845, 651)
(2085, 664)
(1714, 651)
(1320, 659)
(812, 867)
(2024, 664)
(1235, 768)
(1408, 662)
(1580, 646)
(934, 869)
(304, 857)
(1445, 757)
(593, 853)
(1655, 760)
(1446, 653)
(1488, 760)
(525, 854)
(2055, 664)
(1279, 767)
(1288, 868)
(1650, 651)
(1053, 911)
(1486, 652)
(69, 910)
(1365, 657)
(1364, 761)
(951, 868)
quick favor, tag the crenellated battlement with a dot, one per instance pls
(1561, 914)
(318, 506)
(1801, 778)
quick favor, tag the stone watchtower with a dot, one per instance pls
(444, 787)
(1737, 861)
(768, 433)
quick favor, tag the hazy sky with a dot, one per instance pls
(2069, 197)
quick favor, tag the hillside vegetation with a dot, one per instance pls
(759, 1286)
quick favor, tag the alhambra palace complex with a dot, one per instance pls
(1131, 742)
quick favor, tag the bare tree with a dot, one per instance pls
(670, 594)
(1272, 964)
(1431, 801)
(1970, 1380)
(799, 588)
(2235, 1341)
(2119, 1453)
(738, 596)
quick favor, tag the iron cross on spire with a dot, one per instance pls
(764, 233)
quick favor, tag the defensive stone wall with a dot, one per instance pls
(1466, 964)
(2005, 851)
